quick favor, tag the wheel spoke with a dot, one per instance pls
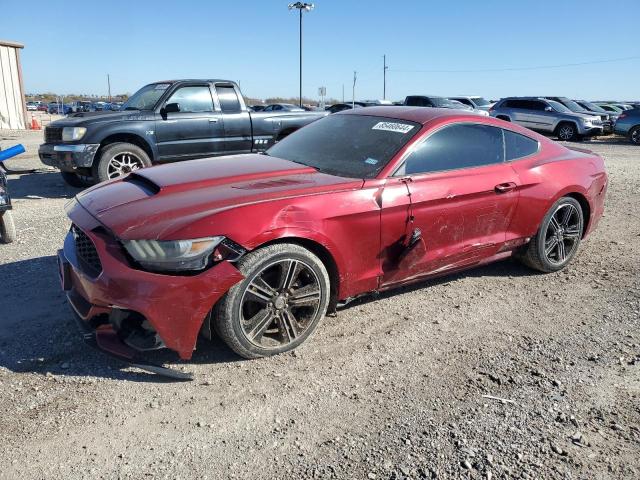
(550, 246)
(566, 217)
(258, 324)
(561, 251)
(290, 272)
(572, 233)
(554, 223)
(261, 289)
(305, 296)
(289, 328)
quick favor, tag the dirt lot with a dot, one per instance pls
(392, 387)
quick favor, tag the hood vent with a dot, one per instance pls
(146, 185)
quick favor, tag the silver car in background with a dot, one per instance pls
(547, 116)
(474, 101)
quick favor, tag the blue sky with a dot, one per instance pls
(72, 45)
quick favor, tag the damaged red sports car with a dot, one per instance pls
(259, 247)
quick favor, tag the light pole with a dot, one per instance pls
(300, 6)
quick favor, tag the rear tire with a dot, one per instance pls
(278, 305)
(634, 135)
(75, 180)
(558, 237)
(567, 132)
(118, 159)
(7, 228)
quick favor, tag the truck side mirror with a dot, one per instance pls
(170, 108)
(548, 109)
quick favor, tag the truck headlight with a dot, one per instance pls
(173, 255)
(70, 134)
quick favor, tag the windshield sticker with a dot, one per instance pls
(371, 161)
(392, 127)
(161, 86)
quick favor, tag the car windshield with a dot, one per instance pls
(146, 98)
(593, 107)
(353, 146)
(558, 107)
(573, 106)
(443, 102)
(481, 102)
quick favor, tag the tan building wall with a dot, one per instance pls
(13, 110)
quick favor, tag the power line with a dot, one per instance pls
(511, 69)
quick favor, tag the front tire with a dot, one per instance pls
(278, 305)
(558, 237)
(75, 180)
(567, 132)
(118, 159)
(634, 135)
(7, 227)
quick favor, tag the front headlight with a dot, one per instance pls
(173, 255)
(70, 134)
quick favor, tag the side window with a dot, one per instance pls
(268, 108)
(539, 106)
(228, 98)
(277, 108)
(518, 146)
(466, 101)
(456, 146)
(193, 99)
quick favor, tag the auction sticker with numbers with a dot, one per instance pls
(392, 127)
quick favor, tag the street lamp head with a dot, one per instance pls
(301, 6)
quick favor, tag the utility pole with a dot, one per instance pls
(109, 86)
(384, 77)
(343, 93)
(353, 91)
(300, 6)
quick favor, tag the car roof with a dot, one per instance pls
(188, 80)
(412, 114)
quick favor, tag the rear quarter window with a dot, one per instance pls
(518, 146)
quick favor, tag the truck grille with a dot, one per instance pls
(52, 134)
(86, 252)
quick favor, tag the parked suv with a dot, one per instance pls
(628, 124)
(607, 123)
(547, 116)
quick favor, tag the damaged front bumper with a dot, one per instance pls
(107, 289)
(68, 158)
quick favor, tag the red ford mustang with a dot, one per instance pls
(259, 247)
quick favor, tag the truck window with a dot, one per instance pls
(228, 98)
(193, 99)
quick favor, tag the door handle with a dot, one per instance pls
(213, 120)
(505, 187)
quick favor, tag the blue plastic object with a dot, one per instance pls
(11, 152)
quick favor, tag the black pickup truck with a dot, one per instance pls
(163, 122)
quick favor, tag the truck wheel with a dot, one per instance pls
(567, 132)
(118, 159)
(634, 135)
(278, 305)
(75, 180)
(7, 228)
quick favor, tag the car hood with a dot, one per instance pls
(82, 119)
(158, 202)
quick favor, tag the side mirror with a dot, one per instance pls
(171, 108)
(548, 109)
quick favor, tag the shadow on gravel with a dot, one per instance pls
(38, 333)
(40, 184)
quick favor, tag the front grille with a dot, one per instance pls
(597, 122)
(86, 252)
(52, 134)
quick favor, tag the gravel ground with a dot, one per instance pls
(498, 372)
